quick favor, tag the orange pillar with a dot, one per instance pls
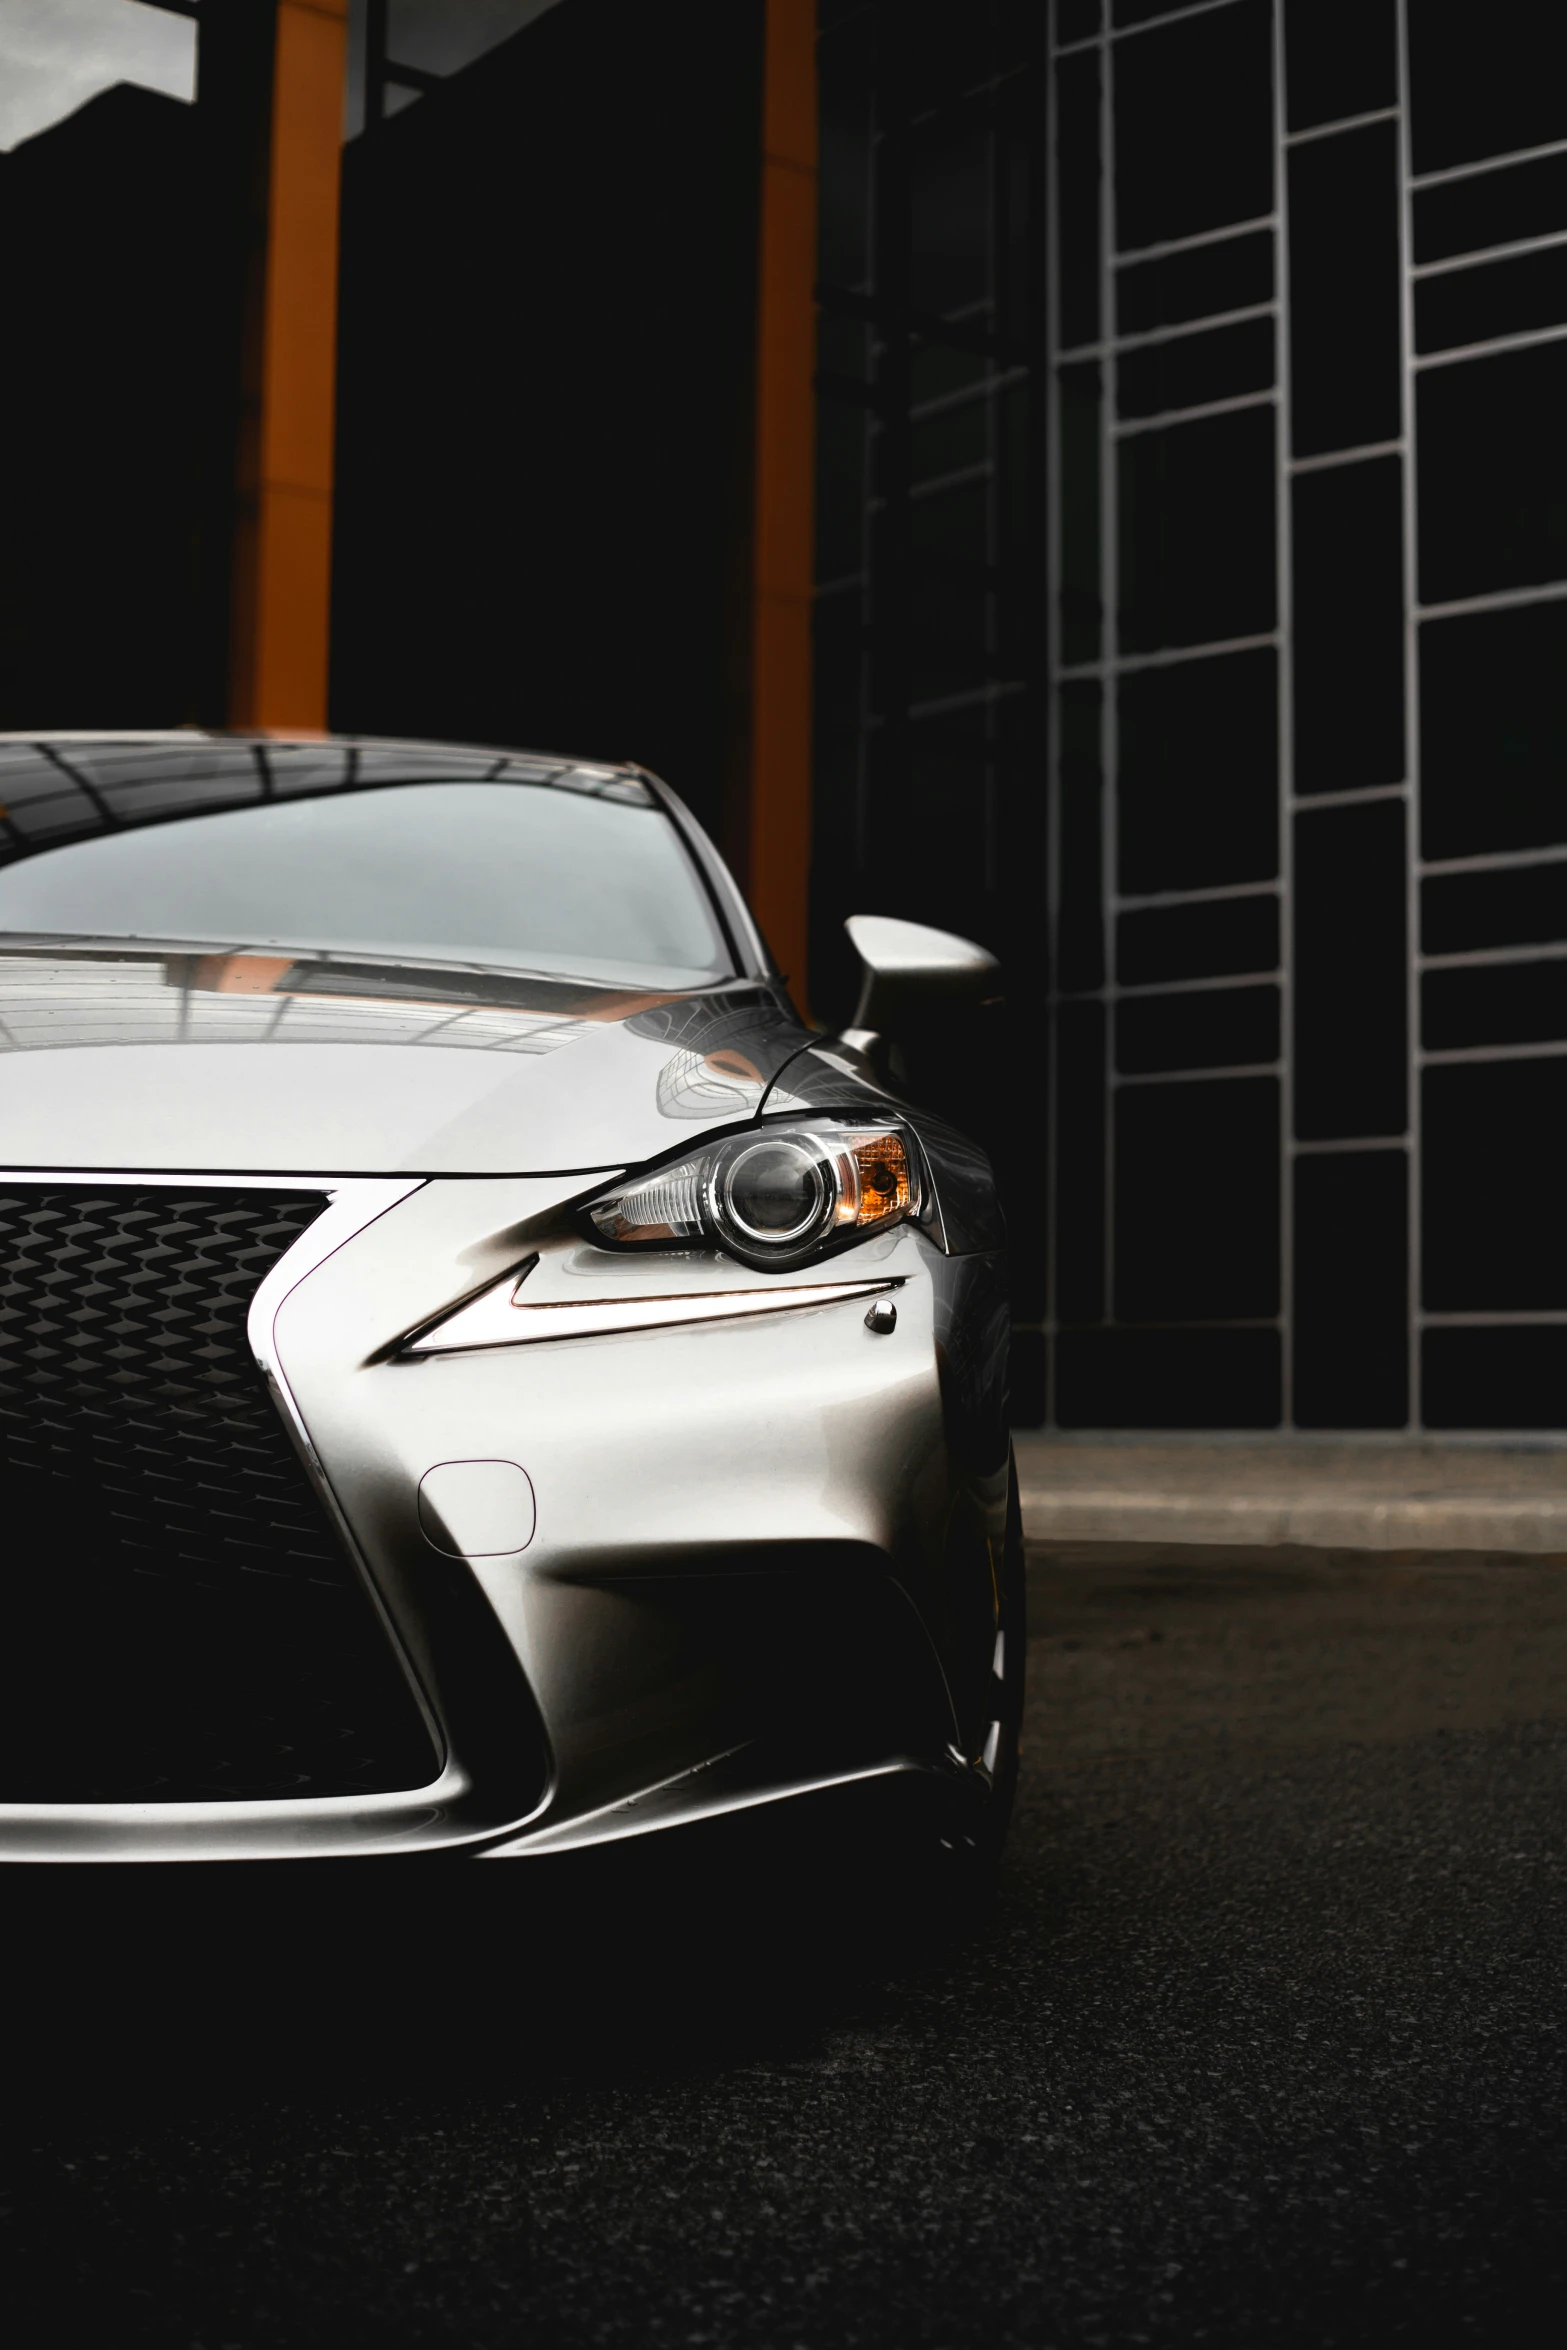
(283, 551)
(779, 829)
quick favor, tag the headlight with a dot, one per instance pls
(771, 1196)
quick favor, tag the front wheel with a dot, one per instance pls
(975, 1829)
(956, 1827)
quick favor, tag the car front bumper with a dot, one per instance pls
(761, 1552)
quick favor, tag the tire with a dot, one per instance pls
(956, 1870)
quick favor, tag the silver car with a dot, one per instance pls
(477, 1372)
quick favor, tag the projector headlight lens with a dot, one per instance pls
(773, 1196)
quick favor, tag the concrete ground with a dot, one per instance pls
(1331, 1492)
(1261, 2041)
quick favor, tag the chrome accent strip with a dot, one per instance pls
(644, 1814)
(500, 1318)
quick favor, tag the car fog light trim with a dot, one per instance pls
(500, 1318)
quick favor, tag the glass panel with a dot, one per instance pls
(1080, 1162)
(1194, 125)
(1497, 298)
(1077, 184)
(937, 368)
(1349, 626)
(1493, 730)
(1351, 1301)
(1019, 292)
(1198, 787)
(1496, 1003)
(1020, 452)
(1493, 473)
(1125, 12)
(1508, 1378)
(1077, 20)
(840, 487)
(843, 348)
(1191, 370)
(943, 822)
(1197, 533)
(947, 50)
(1082, 611)
(1350, 1052)
(837, 636)
(949, 198)
(1197, 1200)
(1484, 85)
(1493, 208)
(1344, 290)
(1231, 275)
(1523, 906)
(1080, 949)
(1020, 32)
(1206, 941)
(1341, 58)
(948, 589)
(835, 697)
(950, 440)
(1168, 1379)
(846, 70)
(1494, 1233)
(1210, 1028)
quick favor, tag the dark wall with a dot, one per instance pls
(100, 418)
(1310, 1016)
(1283, 909)
(132, 261)
(545, 395)
(931, 547)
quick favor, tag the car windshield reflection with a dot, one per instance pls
(552, 868)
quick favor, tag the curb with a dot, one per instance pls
(1343, 1522)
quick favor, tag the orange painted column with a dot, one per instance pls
(283, 551)
(779, 858)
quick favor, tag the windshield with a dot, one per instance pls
(564, 869)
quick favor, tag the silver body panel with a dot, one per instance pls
(759, 1554)
(673, 1469)
(231, 1062)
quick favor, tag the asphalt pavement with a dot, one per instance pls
(1260, 2042)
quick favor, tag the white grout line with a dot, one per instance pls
(1413, 1112)
(1284, 618)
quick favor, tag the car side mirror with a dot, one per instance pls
(911, 973)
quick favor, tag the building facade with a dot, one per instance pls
(1201, 645)
(1088, 473)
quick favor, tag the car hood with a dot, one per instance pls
(221, 1061)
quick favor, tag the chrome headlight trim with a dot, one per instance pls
(851, 1176)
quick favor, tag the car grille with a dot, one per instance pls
(181, 1621)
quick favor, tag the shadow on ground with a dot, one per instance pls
(1260, 2041)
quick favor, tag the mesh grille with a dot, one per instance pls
(182, 1622)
